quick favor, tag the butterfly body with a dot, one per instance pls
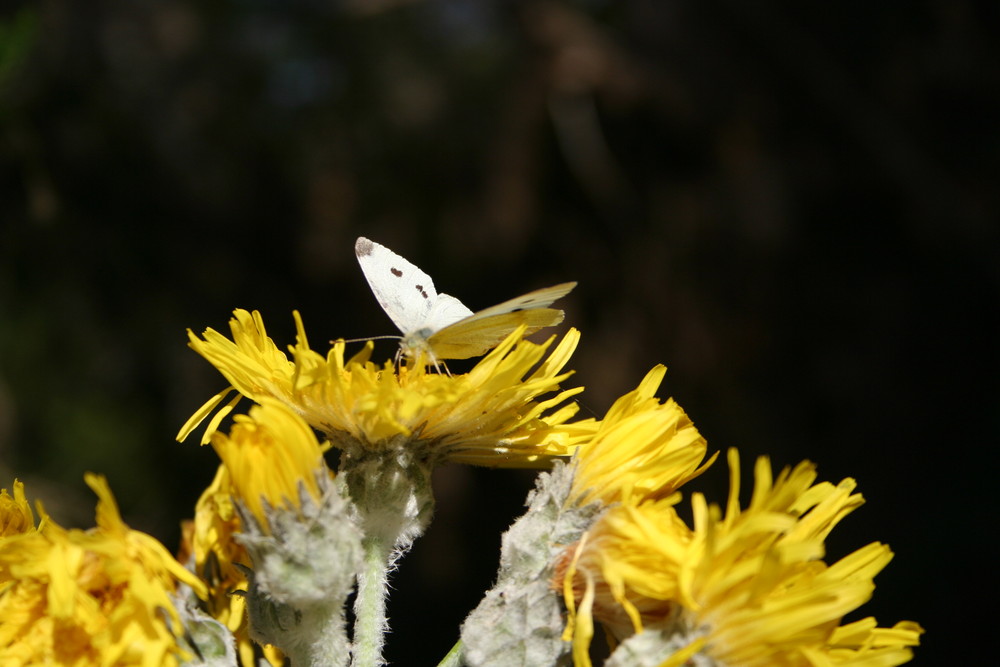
(440, 326)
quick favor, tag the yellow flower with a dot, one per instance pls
(641, 452)
(492, 415)
(593, 573)
(269, 455)
(100, 597)
(642, 449)
(210, 546)
(15, 513)
(748, 588)
(302, 549)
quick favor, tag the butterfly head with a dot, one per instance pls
(415, 344)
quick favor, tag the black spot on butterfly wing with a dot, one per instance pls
(363, 247)
(396, 272)
(420, 288)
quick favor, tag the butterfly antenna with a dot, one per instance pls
(364, 340)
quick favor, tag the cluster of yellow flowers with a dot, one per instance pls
(107, 596)
(735, 585)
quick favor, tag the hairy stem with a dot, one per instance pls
(324, 641)
(370, 623)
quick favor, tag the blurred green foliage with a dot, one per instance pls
(16, 38)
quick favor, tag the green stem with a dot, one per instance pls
(454, 657)
(370, 623)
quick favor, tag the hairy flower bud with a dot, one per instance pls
(520, 621)
(304, 567)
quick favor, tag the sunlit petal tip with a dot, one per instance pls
(642, 447)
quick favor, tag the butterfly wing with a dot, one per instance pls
(405, 292)
(445, 310)
(472, 338)
(540, 298)
(484, 330)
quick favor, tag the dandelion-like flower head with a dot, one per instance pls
(508, 411)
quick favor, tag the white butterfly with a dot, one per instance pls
(439, 325)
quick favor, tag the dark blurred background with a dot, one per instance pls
(792, 205)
